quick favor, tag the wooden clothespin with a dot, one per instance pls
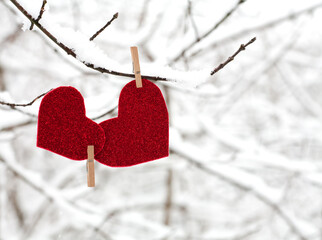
(90, 166)
(136, 66)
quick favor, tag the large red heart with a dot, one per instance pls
(140, 133)
(63, 127)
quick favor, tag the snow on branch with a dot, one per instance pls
(78, 46)
(42, 10)
(258, 154)
(246, 182)
(36, 182)
(73, 49)
(15, 106)
(79, 212)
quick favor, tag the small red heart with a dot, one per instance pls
(63, 127)
(140, 133)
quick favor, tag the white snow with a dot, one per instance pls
(245, 144)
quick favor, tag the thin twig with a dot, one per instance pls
(105, 26)
(193, 23)
(221, 21)
(242, 87)
(11, 37)
(42, 10)
(231, 58)
(13, 105)
(169, 196)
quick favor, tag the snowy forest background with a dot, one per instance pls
(245, 143)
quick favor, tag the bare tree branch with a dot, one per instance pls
(231, 58)
(145, 206)
(22, 111)
(241, 87)
(14, 105)
(11, 37)
(169, 196)
(22, 124)
(143, 14)
(193, 23)
(206, 34)
(300, 93)
(105, 26)
(42, 10)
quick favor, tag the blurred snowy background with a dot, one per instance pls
(245, 144)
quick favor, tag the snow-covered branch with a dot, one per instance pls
(42, 10)
(246, 182)
(77, 212)
(245, 146)
(164, 73)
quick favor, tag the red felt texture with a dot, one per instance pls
(140, 133)
(63, 127)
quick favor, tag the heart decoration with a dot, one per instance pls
(63, 127)
(140, 133)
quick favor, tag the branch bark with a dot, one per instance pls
(105, 26)
(14, 105)
(42, 10)
(193, 23)
(232, 57)
(168, 203)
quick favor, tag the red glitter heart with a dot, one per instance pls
(63, 127)
(140, 133)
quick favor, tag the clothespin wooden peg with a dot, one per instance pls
(136, 66)
(90, 166)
